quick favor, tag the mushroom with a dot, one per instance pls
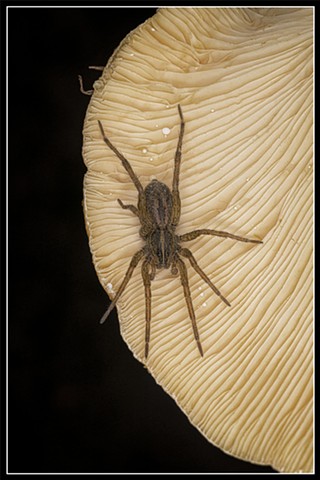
(244, 80)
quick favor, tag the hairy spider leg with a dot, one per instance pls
(174, 269)
(153, 266)
(147, 290)
(185, 284)
(124, 161)
(185, 252)
(176, 204)
(196, 233)
(132, 208)
(134, 262)
(82, 90)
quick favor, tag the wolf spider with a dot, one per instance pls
(158, 210)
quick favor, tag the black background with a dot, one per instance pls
(78, 400)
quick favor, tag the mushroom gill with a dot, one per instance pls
(244, 80)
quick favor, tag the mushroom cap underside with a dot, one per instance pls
(244, 80)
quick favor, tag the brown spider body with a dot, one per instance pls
(159, 212)
(161, 241)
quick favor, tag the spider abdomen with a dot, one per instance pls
(163, 246)
(159, 203)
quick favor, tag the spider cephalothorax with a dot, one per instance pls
(159, 212)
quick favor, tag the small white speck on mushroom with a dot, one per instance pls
(109, 288)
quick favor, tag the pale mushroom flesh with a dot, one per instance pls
(244, 80)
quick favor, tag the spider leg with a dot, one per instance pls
(147, 290)
(132, 208)
(185, 252)
(174, 269)
(176, 205)
(196, 233)
(134, 262)
(152, 274)
(82, 90)
(185, 283)
(124, 161)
